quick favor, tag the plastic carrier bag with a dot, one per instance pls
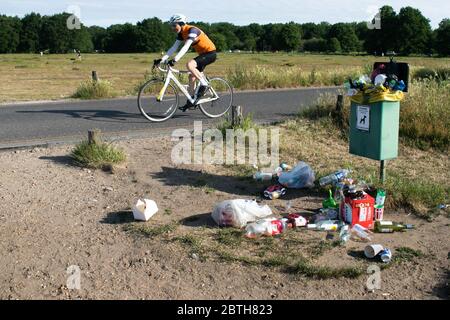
(237, 213)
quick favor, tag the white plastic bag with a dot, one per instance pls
(144, 210)
(237, 213)
(302, 176)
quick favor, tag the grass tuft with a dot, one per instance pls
(94, 90)
(324, 272)
(97, 155)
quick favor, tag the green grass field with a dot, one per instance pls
(25, 77)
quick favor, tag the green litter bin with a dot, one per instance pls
(374, 128)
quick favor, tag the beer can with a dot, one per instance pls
(386, 255)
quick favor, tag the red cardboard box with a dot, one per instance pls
(358, 211)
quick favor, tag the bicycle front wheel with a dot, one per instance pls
(221, 96)
(154, 109)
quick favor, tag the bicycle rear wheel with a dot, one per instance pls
(157, 110)
(222, 94)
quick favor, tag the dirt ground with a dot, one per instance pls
(54, 215)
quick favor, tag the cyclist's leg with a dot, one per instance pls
(203, 61)
(196, 74)
(192, 67)
(198, 65)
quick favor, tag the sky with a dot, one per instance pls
(240, 12)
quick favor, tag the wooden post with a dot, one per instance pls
(236, 115)
(94, 76)
(340, 103)
(94, 136)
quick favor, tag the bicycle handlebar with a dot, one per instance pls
(169, 68)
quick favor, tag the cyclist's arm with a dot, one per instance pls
(193, 34)
(183, 50)
(172, 50)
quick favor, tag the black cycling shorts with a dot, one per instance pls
(205, 59)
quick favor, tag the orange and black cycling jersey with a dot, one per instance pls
(201, 43)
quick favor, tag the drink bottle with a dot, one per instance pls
(334, 178)
(391, 227)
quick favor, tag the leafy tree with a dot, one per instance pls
(315, 45)
(334, 45)
(442, 39)
(98, 35)
(414, 31)
(346, 35)
(29, 33)
(9, 34)
(81, 39)
(121, 38)
(384, 39)
(152, 35)
(219, 41)
(227, 30)
(290, 37)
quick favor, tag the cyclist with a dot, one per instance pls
(205, 48)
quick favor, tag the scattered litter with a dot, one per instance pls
(302, 176)
(381, 198)
(237, 213)
(344, 234)
(360, 233)
(263, 176)
(195, 256)
(386, 255)
(328, 225)
(144, 210)
(297, 220)
(358, 208)
(391, 227)
(329, 202)
(266, 227)
(274, 192)
(379, 205)
(373, 250)
(334, 178)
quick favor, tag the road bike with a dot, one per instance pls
(158, 98)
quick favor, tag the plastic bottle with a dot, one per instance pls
(327, 225)
(329, 202)
(266, 227)
(344, 234)
(360, 232)
(263, 176)
(334, 178)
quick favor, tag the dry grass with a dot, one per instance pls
(23, 76)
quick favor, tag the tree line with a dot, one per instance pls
(406, 32)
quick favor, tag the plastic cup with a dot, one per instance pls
(373, 250)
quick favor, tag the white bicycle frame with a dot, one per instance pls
(171, 77)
